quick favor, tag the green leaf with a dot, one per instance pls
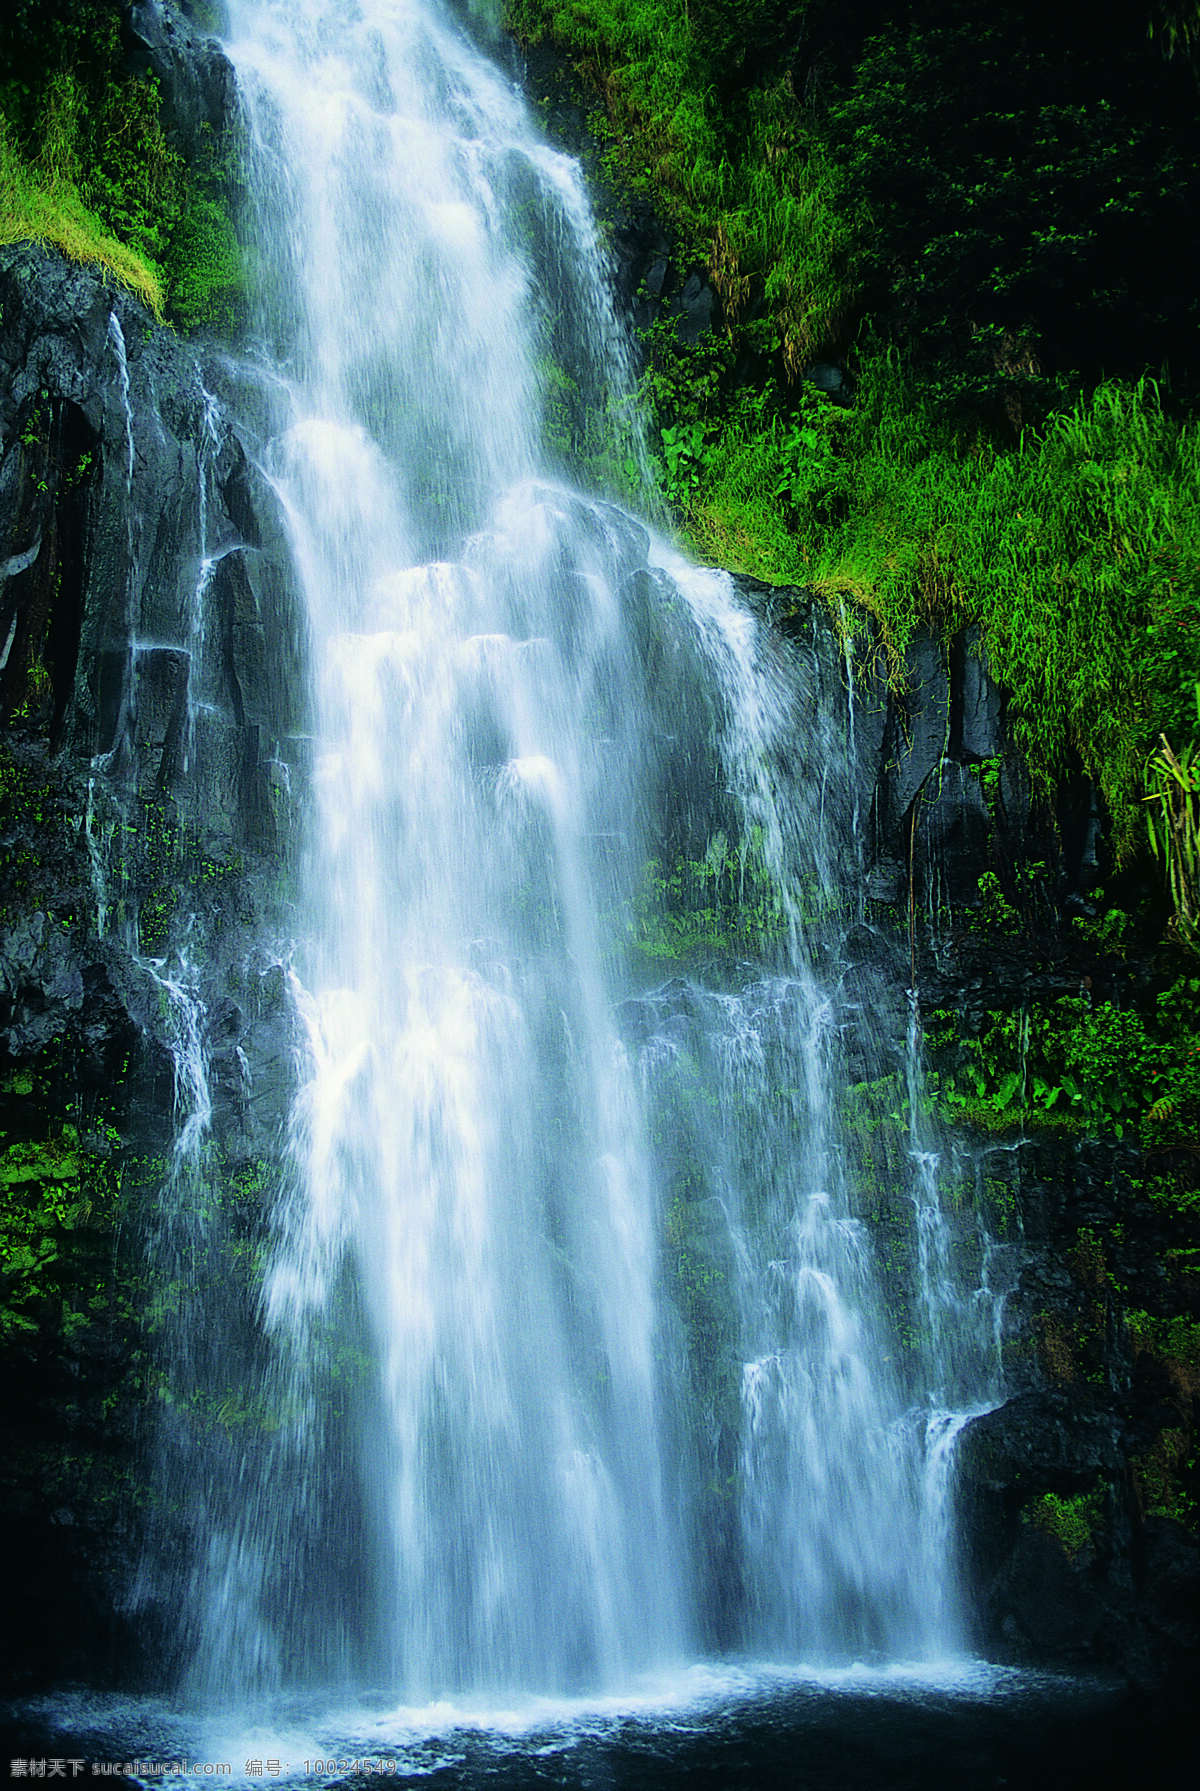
(1008, 1088)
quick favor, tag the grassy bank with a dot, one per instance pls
(980, 224)
(41, 205)
(1076, 547)
(87, 167)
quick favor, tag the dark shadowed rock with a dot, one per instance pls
(152, 686)
(1048, 1440)
(977, 719)
(696, 308)
(197, 82)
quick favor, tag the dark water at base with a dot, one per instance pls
(724, 1729)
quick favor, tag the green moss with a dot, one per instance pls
(50, 1186)
(1165, 1478)
(1002, 1209)
(205, 263)
(164, 860)
(27, 799)
(1166, 1475)
(1073, 1522)
(51, 1161)
(868, 1107)
(1173, 1341)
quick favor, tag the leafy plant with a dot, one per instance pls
(995, 911)
(1071, 1521)
(1076, 1065)
(682, 453)
(1173, 793)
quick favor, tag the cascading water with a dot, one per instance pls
(578, 1363)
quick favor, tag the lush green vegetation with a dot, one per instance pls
(39, 203)
(1077, 548)
(748, 189)
(55, 1181)
(984, 221)
(1071, 1521)
(1073, 1065)
(86, 165)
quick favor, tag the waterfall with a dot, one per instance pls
(576, 1361)
(116, 337)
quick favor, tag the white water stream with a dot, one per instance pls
(577, 1363)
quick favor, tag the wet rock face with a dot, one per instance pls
(195, 76)
(124, 488)
(1070, 1562)
(150, 699)
(152, 644)
(972, 891)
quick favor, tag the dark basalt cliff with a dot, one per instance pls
(150, 686)
(151, 762)
(983, 897)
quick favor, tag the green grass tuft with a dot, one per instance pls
(88, 167)
(1076, 549)
(46, 207)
